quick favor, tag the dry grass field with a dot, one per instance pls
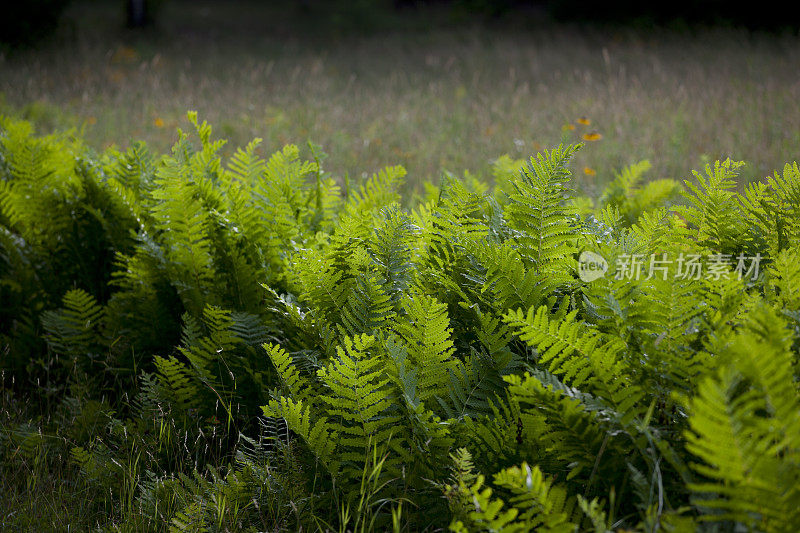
(454, 98)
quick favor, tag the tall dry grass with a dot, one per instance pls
(453, 98)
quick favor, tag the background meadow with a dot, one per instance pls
(430, 91)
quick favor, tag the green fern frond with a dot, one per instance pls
(535, 504)
(657, 193)
(295, 385)
(510, 285)
(633, 200)
(565, 419)
(744, 428)
(674, 316)
(281, 194)
(318, 434)
(624, 183)
(357, 390)
(378, 192)
(75, 330)
(650, 231)
(367, 309)
(287, 173)
(427, 337)
(786, 201)
(130, 175)
(459, 214)
(325, 288)
(485, 513)
(543, 506)
(474, 385)
(245, 166)
(783, 279)
(580, 355)
(390, 250)
(712, 208)
(494, 336)
(359, 405)
(177, 386)
(538, 209)
(41, 171)
(505, 171)
(185, 223)
(208, 354)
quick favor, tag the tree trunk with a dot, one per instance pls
(137, 13)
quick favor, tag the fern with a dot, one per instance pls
(76, 334)
(378, 192)
(509, 283)
(771, 209)
(538, 209)
(177, 386)
(563, 417)
(784, 279)
(535, 504)
(473, 385)
(426, 335)
(581, 356)
(180, 212)
(632, 200)
(358, 401)
(712, 209)
(330, 359)
(294, 384)
(745, 431)
(368, 307)
(391, 252)
(75, 328)
(544, 507)
(487, 514)
(356, 411)
(319, 435)
(130, 176)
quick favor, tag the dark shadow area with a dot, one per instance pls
(26, 24)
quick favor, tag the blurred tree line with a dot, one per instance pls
(28, 21)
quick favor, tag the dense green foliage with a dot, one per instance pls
(237, 342)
